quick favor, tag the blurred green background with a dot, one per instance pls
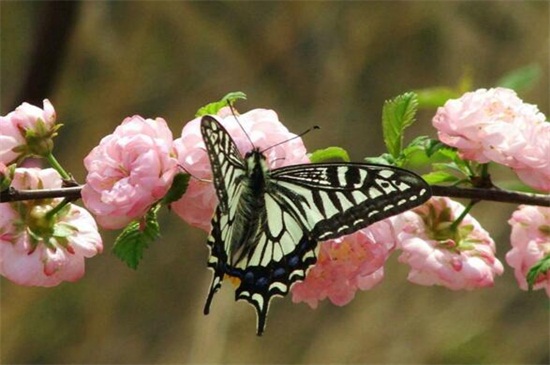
(326, 63)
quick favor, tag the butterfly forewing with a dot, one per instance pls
(334, 199)
(225, 160)
(267, 224)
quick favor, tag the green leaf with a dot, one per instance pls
(434, 146)
(178, 188)
(329, 153)
(522, 78)
(435, 96)
(398, 114)
(437, 177)
(419, 144)
(540, 268)
(214, 107)
(136, 237)
(383, 159)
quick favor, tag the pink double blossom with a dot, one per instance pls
(39, 250)
(129, 171)
(27, 131)
(263, 127)
(347, 264)
(496, 125)
(530, 240)
(461, 258)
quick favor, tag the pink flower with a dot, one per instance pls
(347, 264)
(496, 125)
(27, 131)
(263, 127)
(129, 171)
(530, 243)
(463, 258)
(533, 166)
(36, 250)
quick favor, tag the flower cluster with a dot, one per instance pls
(496, 125)
(27, 131)
(128, 171)
(44, 242)
(347, 264)
(461, 257)
(38, 249)
(530, 243)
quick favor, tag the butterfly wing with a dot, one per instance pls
(335, 199)
(225, 160)
(279, 257)
(227, 171)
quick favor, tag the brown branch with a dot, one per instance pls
(13, 195)
(496, 195)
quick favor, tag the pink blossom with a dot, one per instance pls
(347, 264)
(263, 127)
(463, 258)
(533, 166)
(129, 171)
(39, 251)
(530, 243)
(496, 125)
(27, 121)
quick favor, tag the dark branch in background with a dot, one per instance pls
(496, 195)
(55, 22)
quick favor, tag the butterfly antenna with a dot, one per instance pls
(239, 123)
(290, 139)
(193, 176)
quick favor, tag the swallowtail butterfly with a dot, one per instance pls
(267, 223)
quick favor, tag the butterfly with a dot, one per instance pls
(267, 223)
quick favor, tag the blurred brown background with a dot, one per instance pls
(326, 63)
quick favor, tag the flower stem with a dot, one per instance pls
(57, 166)
(57, 208)
(463, 215)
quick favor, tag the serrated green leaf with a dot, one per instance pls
(542, 267)
(438, 177)
(136, 237)
(214, 107)
(329, 153)
(178, 188)
(397, 115)
(435, 96)
(522, 78)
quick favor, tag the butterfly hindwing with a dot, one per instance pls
(267, 270)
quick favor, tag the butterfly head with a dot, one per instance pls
(256, 167)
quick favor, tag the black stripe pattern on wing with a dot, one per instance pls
(342, 198)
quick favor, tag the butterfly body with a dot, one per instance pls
(268, 222)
